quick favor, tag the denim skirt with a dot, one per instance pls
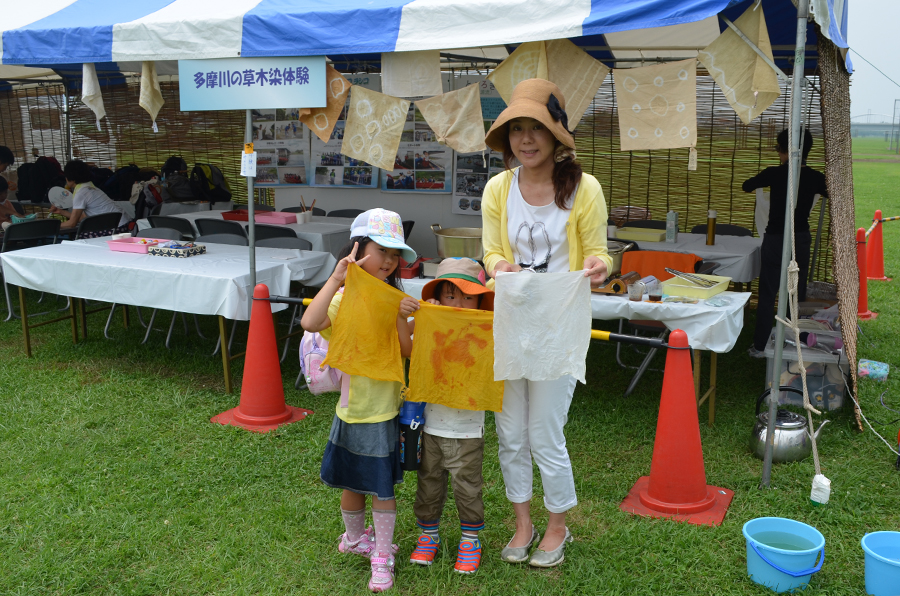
(363, 458)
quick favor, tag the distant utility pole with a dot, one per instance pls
(895, 125)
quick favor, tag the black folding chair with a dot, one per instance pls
(264, 231)
(160, 233)
(285, 242)
(25, 235)
(98, 224)
(345, 212)
(176, 223)
(300, 209)
(208, 225)
(233, 239)
(407, 228)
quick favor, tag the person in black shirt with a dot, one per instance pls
(812, 183)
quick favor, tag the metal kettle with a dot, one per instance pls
(792, 438)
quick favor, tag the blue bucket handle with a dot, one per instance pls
(791, 573)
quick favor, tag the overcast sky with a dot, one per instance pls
(873, 31)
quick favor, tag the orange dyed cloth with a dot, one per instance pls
(452, 362)
(364, 336)
(654, 262)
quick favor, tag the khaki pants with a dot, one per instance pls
(461, 459)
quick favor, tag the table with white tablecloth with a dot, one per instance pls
(711, 328)
(326, 234)
(215, 283)
(738, 256)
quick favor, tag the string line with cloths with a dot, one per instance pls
(793, 274)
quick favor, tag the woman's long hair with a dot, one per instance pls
(566, 172)
(393, 279)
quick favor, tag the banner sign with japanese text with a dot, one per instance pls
(252, 83)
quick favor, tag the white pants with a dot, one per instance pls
(531, 425)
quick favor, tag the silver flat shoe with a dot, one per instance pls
(519, 554)
(542, 558)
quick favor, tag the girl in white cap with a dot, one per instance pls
(362, 456)
(543, 216)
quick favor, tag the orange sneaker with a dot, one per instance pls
(425, 551)
(468, 557)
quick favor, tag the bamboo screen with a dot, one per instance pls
(126, 136)
(729, 152)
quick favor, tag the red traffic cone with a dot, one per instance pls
(676, 487)
(875, 252)
(862, 306)
(262, 405)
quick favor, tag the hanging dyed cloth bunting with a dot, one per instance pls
(529, 61)
(151, 95)
(456, 119)
(452, 361)
(321, 121)
(577, 75)
(374, 124)
(749, 84)
(542, 325)
(364, 338)
(90, 92)
(411, 74)
(657, 105)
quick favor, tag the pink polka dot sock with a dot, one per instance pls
(355, 522)
(384, 529)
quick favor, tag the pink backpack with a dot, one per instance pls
(319, 379)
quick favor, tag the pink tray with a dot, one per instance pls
(276, 217)
(133, 244)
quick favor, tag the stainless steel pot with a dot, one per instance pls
(793, 441)
(616, 250)
(458, 242)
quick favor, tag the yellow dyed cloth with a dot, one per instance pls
(452, 362)
(749, 84)
(455, 117)
(322, 120)
(364, 338)
(374, 124)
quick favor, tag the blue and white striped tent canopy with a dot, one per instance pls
(48, 33)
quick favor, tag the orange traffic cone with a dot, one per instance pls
(262, 406)
(862, 307)
(676, 487)
(875, 252)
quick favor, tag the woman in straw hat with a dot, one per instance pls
(544, 216)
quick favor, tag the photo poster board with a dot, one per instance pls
(281, 143)
(422, 164)
(472, 170)
(329, 167)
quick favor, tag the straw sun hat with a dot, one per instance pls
(467, 275)
(533, 98)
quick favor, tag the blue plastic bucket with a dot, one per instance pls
(782, 554)
(882, 563)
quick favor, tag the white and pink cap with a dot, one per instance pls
(384, 227)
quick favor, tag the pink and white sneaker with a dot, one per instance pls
(362, 546)
(382, 572)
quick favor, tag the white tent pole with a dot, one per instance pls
(797, 78)
(251, 229)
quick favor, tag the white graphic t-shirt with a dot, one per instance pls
(537, 235)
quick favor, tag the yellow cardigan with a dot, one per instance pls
(585, 229)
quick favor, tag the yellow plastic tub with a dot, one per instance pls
(680, 287)
(641, 234)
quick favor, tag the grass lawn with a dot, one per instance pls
(114, 481)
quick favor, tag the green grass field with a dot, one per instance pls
(115, 482)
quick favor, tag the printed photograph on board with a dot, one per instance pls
(292, 175)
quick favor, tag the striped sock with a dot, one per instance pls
(470, 530)
(429, 528)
